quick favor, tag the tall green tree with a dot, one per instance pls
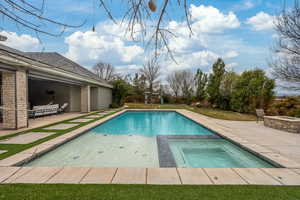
(201, 83)
(253, 89)
(121, 89)
(226, 89)
(214, 82)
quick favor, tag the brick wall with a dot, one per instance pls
(9, 99)
(22, 98)
(14, 94)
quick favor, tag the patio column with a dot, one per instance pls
(85, 98)
(15, 99)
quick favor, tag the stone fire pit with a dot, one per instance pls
(289, 124)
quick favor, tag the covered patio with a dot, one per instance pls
(42, 84)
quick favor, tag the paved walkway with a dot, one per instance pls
(42, 121)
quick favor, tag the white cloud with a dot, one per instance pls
(209, 19)
(231, 54)
(128, 69)
(232, 65)
(105, 44)
(200, 48)
(244, 5)
(248, 4)
(22, 42)
(198, 59)
(261, 22)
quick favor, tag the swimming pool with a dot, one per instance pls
(128, 140)
(152, 124)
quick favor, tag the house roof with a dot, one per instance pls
(11, 50)
(57, 61)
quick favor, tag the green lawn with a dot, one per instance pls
(214, 113)
(146, 192)
(16, 148)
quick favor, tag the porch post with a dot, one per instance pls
(85, 98)
(15, 99)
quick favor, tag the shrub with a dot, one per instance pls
(253, 89)
(289, 107)
(121, 89)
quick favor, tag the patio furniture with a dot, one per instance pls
(38, 111)
(260, 113)
(63, 108)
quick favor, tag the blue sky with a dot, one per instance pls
(240, 31)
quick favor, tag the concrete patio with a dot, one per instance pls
(42, 121)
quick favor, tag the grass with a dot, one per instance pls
(16, 148)
(146, 192)
(214, 113)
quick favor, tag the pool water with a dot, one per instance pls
(152, 124)
(213, 153)
(100, 150)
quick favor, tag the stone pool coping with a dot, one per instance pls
(153, 176)
(290, 174)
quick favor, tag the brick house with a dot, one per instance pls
(32, 79)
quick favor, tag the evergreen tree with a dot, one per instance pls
(201, 83)
(226, 89)
(214, 82)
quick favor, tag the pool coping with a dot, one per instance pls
(271, 156)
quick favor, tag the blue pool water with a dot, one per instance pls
(152, 124)
(213, 153)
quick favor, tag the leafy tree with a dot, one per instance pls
(226, 89)
(214, 82)
(121, 89)
(201, 83)
(253, 89)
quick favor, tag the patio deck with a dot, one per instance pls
(42, 121)
(277, 146)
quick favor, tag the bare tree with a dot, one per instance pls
(105, 71)
(31, 15)
(151, 70)
(175, 82)
(138, 14)
(286, 65)
(187, 87)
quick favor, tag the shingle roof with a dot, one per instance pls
(56, 60)
(59, 61)
(11, 50)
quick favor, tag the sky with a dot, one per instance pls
(239, 31)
